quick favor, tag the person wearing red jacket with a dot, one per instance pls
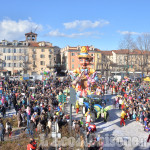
(32, 145)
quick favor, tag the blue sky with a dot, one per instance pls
(101, 23)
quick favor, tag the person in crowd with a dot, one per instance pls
(2, 130)
(8, 128)
(3, 110)
(19, 118)
(122, 118)
(32, 145)
(77, 107)
(32, 127)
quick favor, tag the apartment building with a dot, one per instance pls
(29, 56)
(70, 61)
(13, 56)
(131, 60)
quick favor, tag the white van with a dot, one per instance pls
(16, 78)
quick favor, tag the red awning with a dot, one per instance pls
(3, 70)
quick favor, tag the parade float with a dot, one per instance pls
(85, 82)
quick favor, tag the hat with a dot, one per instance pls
(84, 53)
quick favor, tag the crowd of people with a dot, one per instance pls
(38, 107)
(134, 101)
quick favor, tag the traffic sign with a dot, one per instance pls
(72, 96)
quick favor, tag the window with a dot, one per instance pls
(20, 64)
(42, 56)
(20, 57)
(34, 56)
(34, 63)
(72, 54)
(26, 58)
(72, 66)
(8, 57)
(42, 63)
(50, 50)
(4, 50)
(9, 64)
(72, 60)
(49, 56)
(4, 64)
(20, 50)
(14, 58)
(33, 50)
(14, 50)
(15, 43)
(15, 65)
(9, 50)
(5, 58)
(33, 38)
(42, 50)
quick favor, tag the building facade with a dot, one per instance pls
(70, 61)
(13, 56)
(28, 57)
(128, 61)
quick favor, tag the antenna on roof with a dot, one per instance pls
(35, 29)
(31, 29)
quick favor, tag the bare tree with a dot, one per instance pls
(143, 44)
(129, 44)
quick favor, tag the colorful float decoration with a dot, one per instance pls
(85, 82)
(84, 78)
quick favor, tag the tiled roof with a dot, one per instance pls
(33, 44)
(36, 44)
(30, 33)
(96, 49)
(132, 52)
(107, 52)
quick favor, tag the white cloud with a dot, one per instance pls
(56, 33)
(128, 32)
(15, 30)
(84, 24)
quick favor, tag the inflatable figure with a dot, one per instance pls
(85, 78)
